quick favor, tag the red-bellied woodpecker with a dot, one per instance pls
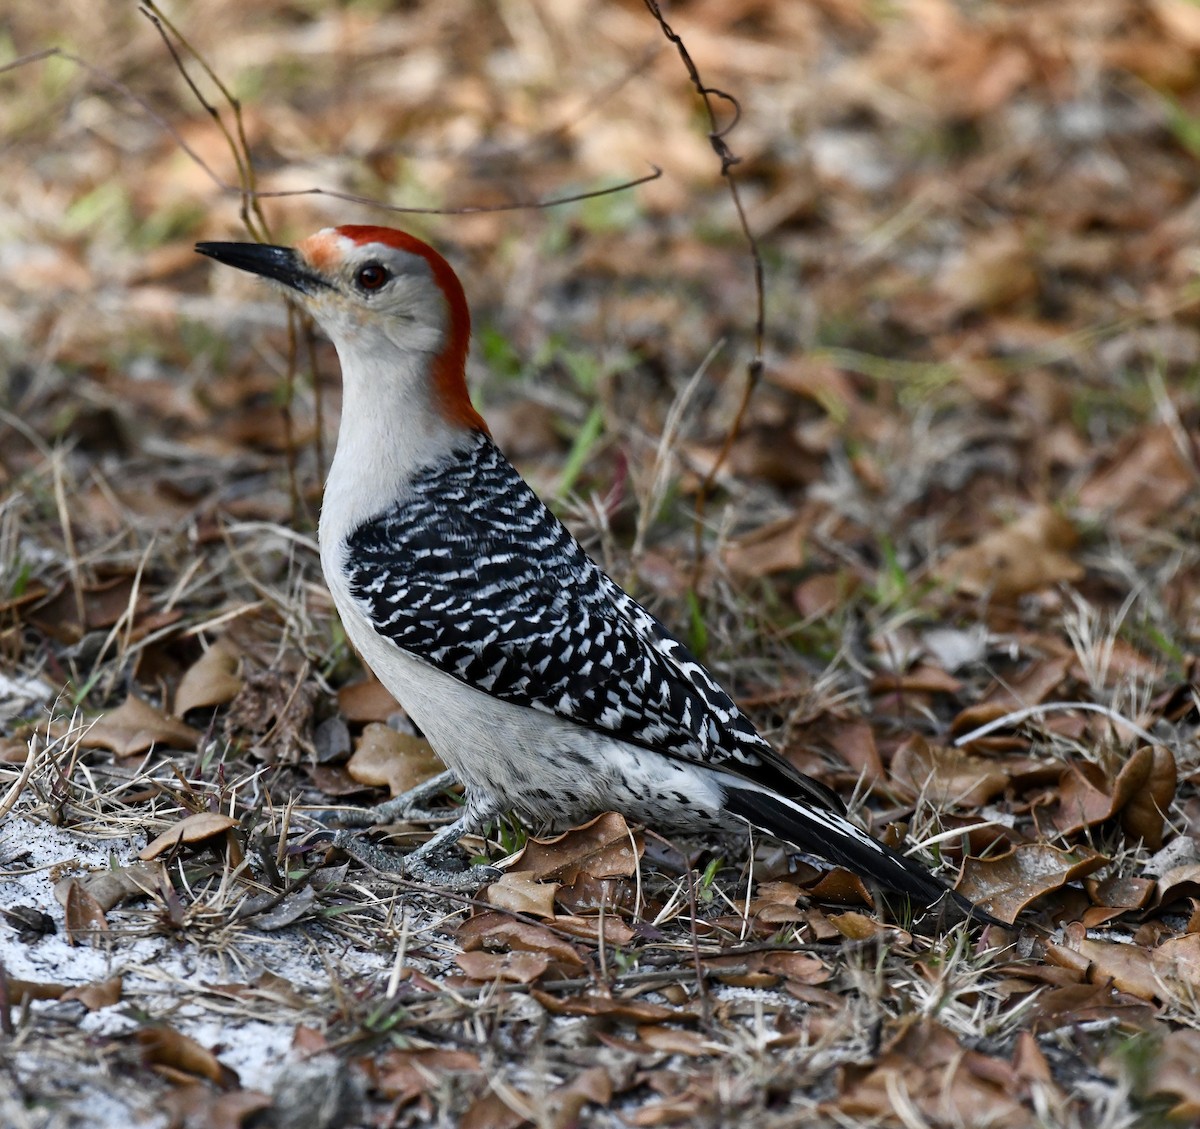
(544, 687)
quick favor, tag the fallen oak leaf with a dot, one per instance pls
(110, 887)
(1173, 1072)
(614, 1008)
(101, 994)
(212, 680)
(1083, 799)
(672, 1040)
(1128, 968)
(135, 727)
(1006, 884)
(519, 967)
(1030, 553)
(163, 1046)
(521, 893)
(609, 928)
(367, 700)
(1141, 794)
(1150, 789)
(604, 847)
(945, 776)
(193, 829)
(385, 757)
(860, 927)
(83, 915)
(497, 931)
(1121, 892)
(193, 1104)
(1170, 971)
(403, 1076)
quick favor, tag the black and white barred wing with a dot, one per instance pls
(474, 575)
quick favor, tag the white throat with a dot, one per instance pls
(390, 429)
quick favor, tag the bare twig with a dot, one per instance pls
(717, 135)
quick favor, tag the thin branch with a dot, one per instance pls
(717, 135)
(466, 209)
(223, 185)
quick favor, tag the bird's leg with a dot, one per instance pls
(432, 861)
(410, 806)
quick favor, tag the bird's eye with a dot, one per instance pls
(371, 276)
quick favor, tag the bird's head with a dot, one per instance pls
(382, 295)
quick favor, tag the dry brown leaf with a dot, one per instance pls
(1089, 1003)
(399, 761)
(944, 1084)
(403, 1075)
(367, 701)
(1121, 892)
(609, 1007)
(943, 776)
(589, 894)
(854, 742)
(212, 680)
(860, 927)
(1170, 970)
(1178, 882)
(604, 848)
(924, 678)
(103, 993)
(84, 917)
(559, 1109)
(110, 887)
(135, 727)
(1024, 556)
(1147, 791)
(1149, 476)
(200, 1107)
(20, 990)
(1038, 681)
(103, 605)
(521, 893)
(995, 270)
(771, 548)
(777, 903)
(673, 1041)
(1141, 793)
(516, 967)
(565, 1103)
(1083, 798)
(165, 1047)
(194, 828)
(496, 931)
(841, 887)
(609, 928)
(1173, 1071)
(491, 1111)
(800, 968)
(1006, 884)
(1128, 968)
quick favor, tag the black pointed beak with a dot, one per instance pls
(280, 264)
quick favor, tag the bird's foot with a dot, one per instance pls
(432, 863)
(408, 807)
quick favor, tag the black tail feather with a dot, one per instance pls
(834, 838)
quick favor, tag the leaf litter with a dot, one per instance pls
(963, 495)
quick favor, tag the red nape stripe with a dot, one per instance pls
(450, 367)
